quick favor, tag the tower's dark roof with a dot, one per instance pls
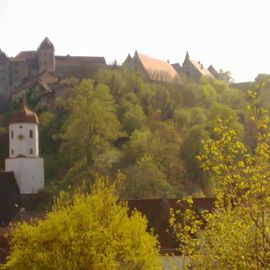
(2, 54)
(46, 44)
(24, 115)
(9, 197)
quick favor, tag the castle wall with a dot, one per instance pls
(80, 67)
(19, 70)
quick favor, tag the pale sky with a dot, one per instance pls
(229, 34)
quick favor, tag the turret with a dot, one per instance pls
(23, 133)
(46, 58)
(24, 158)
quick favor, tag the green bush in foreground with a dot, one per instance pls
(89, 231)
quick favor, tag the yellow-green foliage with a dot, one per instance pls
(237, 234)
(90, 231)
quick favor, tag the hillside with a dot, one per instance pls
(120, 124)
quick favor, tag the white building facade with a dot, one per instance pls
(24, 158)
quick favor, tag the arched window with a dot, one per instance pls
(12, 134)
(31, 133)
(30, 151)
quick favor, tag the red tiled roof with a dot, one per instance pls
(157, 69)
(23, 55)
(24, 115)
(203, 71)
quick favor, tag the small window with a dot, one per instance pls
(31, 133)
(31, 151)
(12, 134)
(20, 126)
(12, 152)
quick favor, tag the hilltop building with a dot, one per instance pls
(151, 68)
(27, 64)
(42, 89)
(195, 70)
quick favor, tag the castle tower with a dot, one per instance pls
(46, 58)
(24, 158)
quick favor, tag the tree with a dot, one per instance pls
(162, 143)
(131, 113)
(225, 76)
(92, 124)
(146, 180)
(88, 231)
(237, 232)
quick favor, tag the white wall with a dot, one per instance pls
(29, 173)
(20, 142)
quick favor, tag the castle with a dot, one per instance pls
(18, 71)
(158, 70)
(27, 64)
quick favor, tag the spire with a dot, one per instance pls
(187, 57)
(127, 59)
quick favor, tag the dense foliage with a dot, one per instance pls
(237, 233)
(87, 231)
(149, 131)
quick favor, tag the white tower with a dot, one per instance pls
(24, 158)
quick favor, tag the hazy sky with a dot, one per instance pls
(229, 34)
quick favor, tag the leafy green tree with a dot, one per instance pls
(190, 149)
(225, 76)
(88, 231)
(206, 94)
(181, 118)
(162, 142)
(131, 113)
(92, 124)
(237, 232)
(146, 180)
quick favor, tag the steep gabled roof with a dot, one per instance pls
(23, 55)
(2, 54)
(177, 67)
(213, 71)
(201, 69)
(157, 69)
